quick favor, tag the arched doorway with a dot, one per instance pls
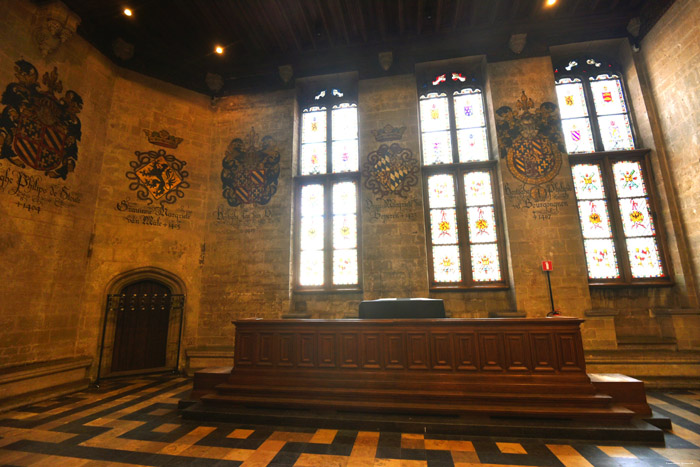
(142, 323)
(141, 334)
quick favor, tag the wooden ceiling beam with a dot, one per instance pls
(381, 20)
(474, 12)
(340, 18)
(301, 12)
(402, 23)
(288, 24)
(360, 20)
(495, 6)
(324, 21)
(515, 7)
(264, 14)
(438, 15)
(419, 19)
(459, 6)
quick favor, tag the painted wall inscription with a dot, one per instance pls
(137, 213)
(392, 209)
(39, 129)
(543, 200)
(33, 192)
(250, 171)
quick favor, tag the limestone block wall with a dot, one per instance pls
(46, 223)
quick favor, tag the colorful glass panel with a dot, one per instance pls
(344, 122)
(587, 181)
(311, 233)
(577, 135)
(477, 188)
(313, 127)
(471, 144)
(446, 266)
(434, 115)
(595, 222)
(628, 179)
(608, 97)
(441, 191)
(344, 231)
(313, 158)
(311, 268)
(601, 259)
(437, 148)
(482, 224)
(345, 156)
(644, 257)
(469, 109)
(344, 198)
(485, 264)
(616, 132)
(443, 226)
(312, 200)
(345, 267)
(572, 102)
(636, 218)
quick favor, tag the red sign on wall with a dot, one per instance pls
(546, 265)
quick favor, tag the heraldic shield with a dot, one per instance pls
(250, 172)
(37, 129)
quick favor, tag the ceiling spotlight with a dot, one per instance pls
(550, 2)
(218, 49)
(128, 12)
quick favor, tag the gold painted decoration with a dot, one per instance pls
(530, 140)
(157, 176)
(163, 138)
(39, 128)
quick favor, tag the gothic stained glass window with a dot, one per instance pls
(615, 207)
(327, 218)
(463, 230)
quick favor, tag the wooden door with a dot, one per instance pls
(141, 335)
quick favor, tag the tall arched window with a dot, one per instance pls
(612, 179)
(464, 234)
(327, 246)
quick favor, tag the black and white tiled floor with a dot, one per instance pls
(135, 422)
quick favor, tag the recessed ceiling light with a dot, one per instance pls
(128, 12)
(550, 2)
(218, 49)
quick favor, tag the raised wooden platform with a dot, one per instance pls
(531, 368)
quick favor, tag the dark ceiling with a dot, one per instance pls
(174, 39)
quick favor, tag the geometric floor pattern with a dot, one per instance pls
(135, 422)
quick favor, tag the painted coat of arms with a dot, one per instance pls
(250, 172)
(38, 128)
(530, 142)
(158, 176)
(391, 170)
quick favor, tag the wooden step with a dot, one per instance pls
(549, 410)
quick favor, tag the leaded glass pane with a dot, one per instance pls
(434, 114)
(485, 264)
(616, 132)
(595, 222)
(437, 148)
(471, 144)
(312, 200)
(313, 158)
(345, 267)
(587, 181)
(313, 127)
(443, 226)
(577, 135)
(608, 97)
(601, 259)
(636, 218)
(311, 268)
(628, 179)
(469, 109)
(441, 191)
(446, 267)
(477, 188)
(572, 102)
(482, 224)
(344, 198)
(644, 257)
(311, 233)
(345, 156)
(344, 231)
(344, 122)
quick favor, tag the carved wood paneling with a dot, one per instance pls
(466, 351)
(245, 348)
(326, 350)
(517, 356)
(491, 351)
(568, 346)
(417, 350)
(544, 358)
(395, 351)
(371, 351)
(307, 350)
(441, 351)
(349, 350)
(285, 347)
(265, 349)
